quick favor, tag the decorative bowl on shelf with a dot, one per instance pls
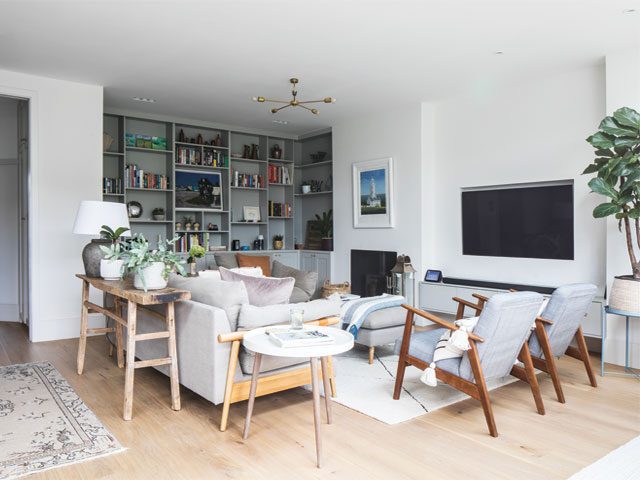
(321, 156)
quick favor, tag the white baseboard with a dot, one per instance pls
(61, 328)
(9, 312)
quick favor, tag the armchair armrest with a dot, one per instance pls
(439, 321)
(465, 303)
(238, 336)
(482, 298)
(544, 320)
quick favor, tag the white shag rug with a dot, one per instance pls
(369, 388)
(44, 424)
(621, 464)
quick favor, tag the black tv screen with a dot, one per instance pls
(528, 222)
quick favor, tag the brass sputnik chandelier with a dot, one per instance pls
(294, 102)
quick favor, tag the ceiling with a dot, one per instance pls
(205, 60)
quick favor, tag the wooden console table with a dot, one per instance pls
(123, 291)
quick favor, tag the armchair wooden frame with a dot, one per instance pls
(478, 389)
(238, 391)
(548, 363)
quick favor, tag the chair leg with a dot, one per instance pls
(525, 357)
(372, 352)
(402, 365)
(584, 353)
(404, 350)
(483, 392)
(549, 360)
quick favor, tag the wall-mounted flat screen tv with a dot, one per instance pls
(530, 221)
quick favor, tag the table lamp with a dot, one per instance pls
(91, 216)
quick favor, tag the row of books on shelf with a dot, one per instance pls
(194, 156)
(279, 209)
(135, 177)
(187, 240)
(112, 185)
(279, 174)
(247, 180)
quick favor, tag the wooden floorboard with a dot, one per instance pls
(448, 443)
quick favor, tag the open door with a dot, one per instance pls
(23, 211)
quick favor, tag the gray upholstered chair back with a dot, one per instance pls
(566, 309)
(504, 325)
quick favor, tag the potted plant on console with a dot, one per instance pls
(617, 165)
(324, 224)
(196, 251)
(112, 264)
(151, 268)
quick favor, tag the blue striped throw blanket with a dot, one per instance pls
(354, 312)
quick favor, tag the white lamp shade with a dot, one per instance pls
(92, 215)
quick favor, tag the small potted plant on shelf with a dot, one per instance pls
(112, 264)
(305, 186)
(617, 165)
(158, 214)
(151, 267)
(278, 243)
(196, 251)
(187, 221)
(196, 226)
(324, 224)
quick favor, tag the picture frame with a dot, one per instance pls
(373, 200)
(251, 214)
(202, 190)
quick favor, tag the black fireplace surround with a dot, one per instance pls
(369, 269)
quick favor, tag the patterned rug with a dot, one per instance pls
(369, 388)
(44, 424)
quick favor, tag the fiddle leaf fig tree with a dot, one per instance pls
(617, 169)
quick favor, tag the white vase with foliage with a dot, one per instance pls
(617, 166)
(151, 268)
(112, 263)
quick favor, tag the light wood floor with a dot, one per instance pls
(449, 443)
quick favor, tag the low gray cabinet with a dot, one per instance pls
(317, 262)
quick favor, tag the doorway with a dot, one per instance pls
(14, 209)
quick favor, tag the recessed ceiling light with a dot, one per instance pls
(499, 52)
(280, 122)
(629, 11)
(144, 99)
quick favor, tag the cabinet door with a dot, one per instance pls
(436, 297)
(308, 262)
(591, 324)
(290, 259)
(323, 267)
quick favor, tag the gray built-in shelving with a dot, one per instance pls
(296, 157)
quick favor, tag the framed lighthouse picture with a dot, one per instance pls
(373, 194)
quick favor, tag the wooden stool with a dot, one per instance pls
(136, 299)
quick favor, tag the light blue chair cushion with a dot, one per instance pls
(566, 309)
(423, 345)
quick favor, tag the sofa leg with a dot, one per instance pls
(372, 351)
(228, 389)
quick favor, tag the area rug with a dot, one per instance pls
(621, 464)
(369, 388)
(44, 424)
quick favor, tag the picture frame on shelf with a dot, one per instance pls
(251, 214)
(199, 189)
(373, 193)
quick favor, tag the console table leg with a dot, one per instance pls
(173, 354)
(316, 409)
(84, 319)
(118, 327)
(132, 308)
(252, 394)
(327, 389)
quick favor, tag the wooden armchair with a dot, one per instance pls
(498, 339)
(236, 391)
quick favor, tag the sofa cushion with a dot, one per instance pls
(215, 274)
(226, 260)
(306, 282)
(262, 261)
(385, 318)
(298, 295)
(251, 317)
(228, 296)
(262, 290)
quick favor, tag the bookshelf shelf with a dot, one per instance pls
(200, 145)
(279, 218)
(202, 231)
(113, 154)
(142, 220)
(317, 164)
(279, 160)
(313, 194)
(233, 187)
(138, 189)
(179, 167)
(275, 184)
(148, 150)
(248, 224)
(247, 160)
(106, 194)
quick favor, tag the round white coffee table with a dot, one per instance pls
(259, 342)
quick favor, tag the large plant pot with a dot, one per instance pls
(327, 244)
(111, 269)
(153, 278)
(625, 294)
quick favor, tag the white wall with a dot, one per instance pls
(66, 167)
(8, 209)
(528, 133)
(622, 90)
(393, 133)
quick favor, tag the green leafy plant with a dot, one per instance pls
(196, 251)
(186, 220)
(112, 235)
(324, 224)
(113, 251)
(278, 238)
(140, 256)
(158, 211)
(617, 169)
